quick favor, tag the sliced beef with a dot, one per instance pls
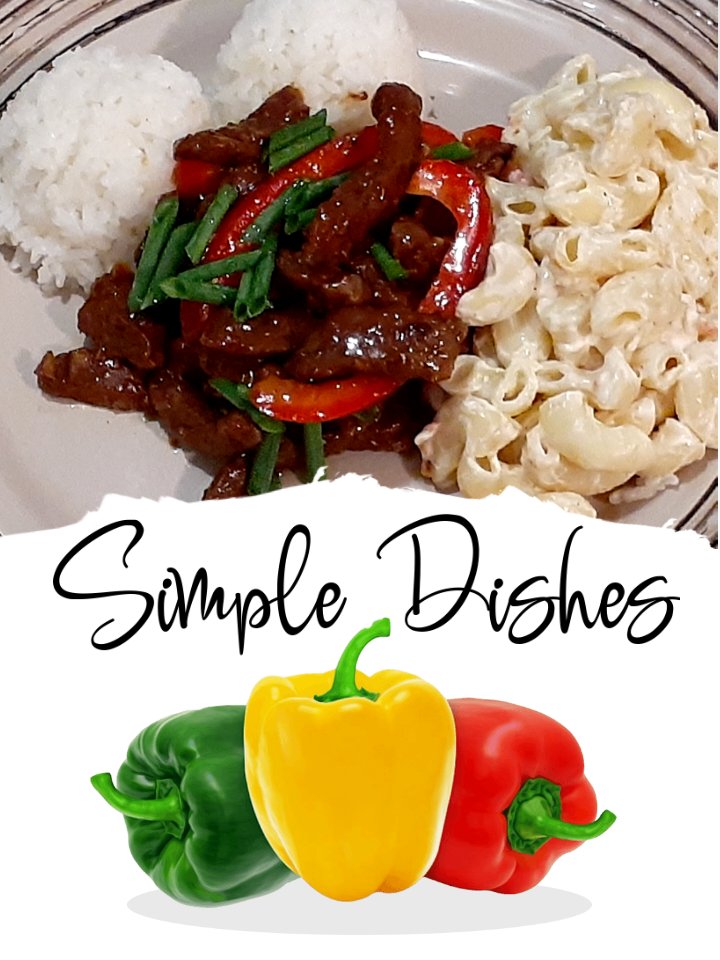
(417, 249)
(391, 427)
(363, 282)
(245, 177)
(104, 317)
(192, 423)
(273, 332)
(230, 481)
(239, 143)
(215, 363)
(91, 376)
(491, 156)
(340, 290)
(372, 194)
(395, 342)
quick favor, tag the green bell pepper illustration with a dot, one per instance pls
(191, 825)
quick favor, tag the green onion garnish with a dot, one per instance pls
(300, 220)
(314, 452)
(253, 293)
(391, 267)
(171, 261)
(267, 220)
(263, 468)
(239, 395)
(285, 135)
(301, 202)
(298, 148)
(161, 226)
(236, 263)
(213, 293)
(452, 151)
(291, 143)
(205, 230)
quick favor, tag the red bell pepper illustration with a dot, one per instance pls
(520, 799)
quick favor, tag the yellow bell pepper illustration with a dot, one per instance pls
(351, 783)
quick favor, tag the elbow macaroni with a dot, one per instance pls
(595, 363)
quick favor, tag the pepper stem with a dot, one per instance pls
(344, 684)
(534, 817)
(169, 808)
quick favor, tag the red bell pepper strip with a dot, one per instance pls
(520, 799)
(195, 178)
(489, 131)
(463, 267)
(295, 402)
(433, 135)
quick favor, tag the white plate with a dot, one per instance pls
(59, 459)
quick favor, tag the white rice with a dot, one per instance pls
(336, 51)
(85, 151)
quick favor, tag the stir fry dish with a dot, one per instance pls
(297, 292)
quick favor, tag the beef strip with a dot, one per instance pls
(245, 177)
(230, 481)
(417, 249)
(105, 318)
(393, 428)
(91, 376)
(490, 158)
(395, 342)
(215, 363)
(323, 293)
(372, 194)
(192, 423)
(239, 143)
(364, 282)
(273, 332)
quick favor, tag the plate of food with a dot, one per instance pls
(456, 245)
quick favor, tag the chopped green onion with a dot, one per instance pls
(314, 452)
(267, 220)
(300, 220)
(205, 230)
(253, 293)
(312, 191)
(236, 263)
(391, 267)
(291, 143)
(213, 293)
(299, 147)
(300, 205)
(161, 226)
(263, 468)
(171, 260)
(452, 151)
(281, 138)
(293, 205)
(239, 395)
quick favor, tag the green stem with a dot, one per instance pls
(344, 684)
(534, 817)
(314, 452)
(169, 809)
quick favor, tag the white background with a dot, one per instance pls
(645, 715)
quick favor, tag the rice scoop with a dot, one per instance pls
(85, 149)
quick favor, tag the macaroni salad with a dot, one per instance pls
(594, 368)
